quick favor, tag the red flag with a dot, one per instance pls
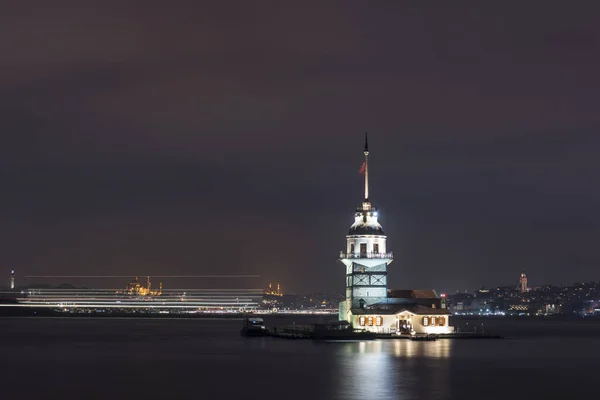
(362, 168)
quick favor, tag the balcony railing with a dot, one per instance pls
(366, 255)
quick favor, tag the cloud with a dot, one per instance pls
(153, 122)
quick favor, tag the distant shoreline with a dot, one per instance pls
(564, 318)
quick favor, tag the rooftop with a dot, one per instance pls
(391, 309)
(412, 294)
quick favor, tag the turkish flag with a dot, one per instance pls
(362, 168)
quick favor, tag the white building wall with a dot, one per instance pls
(369, 240)
(390, 324)
(358, 285)
(369, 292)
(417, 323)
(344, 311)
(375, 268)
(436, 330)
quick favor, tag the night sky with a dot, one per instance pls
(226, 137)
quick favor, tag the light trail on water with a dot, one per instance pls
(136, 276)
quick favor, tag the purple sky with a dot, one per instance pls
(225, 137)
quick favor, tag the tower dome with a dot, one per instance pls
(365, 223)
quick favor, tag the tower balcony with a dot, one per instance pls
(386, 256)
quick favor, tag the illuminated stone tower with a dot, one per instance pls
(12, 279)
(366, 257)
(523, 282)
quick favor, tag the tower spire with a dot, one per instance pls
(366, 153)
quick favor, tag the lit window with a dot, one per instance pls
(425, 321)
(379, 321)
(370, 321)
(361, 321)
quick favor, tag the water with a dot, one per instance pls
(56, 358)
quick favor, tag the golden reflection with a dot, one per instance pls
(393, 369)
(363, 370)
(375, 346)
(402, 348)
(361, 347)
(370, 347)
(409, 349)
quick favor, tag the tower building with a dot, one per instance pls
(12, 279)
(366, 257)
(523, 282)
(369, 305)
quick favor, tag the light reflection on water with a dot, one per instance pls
(401, 348)
(394, 369)
(181, 359)
(407, 348)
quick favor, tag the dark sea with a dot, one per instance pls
(97, 358)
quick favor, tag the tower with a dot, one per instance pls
(366, 257)
(523, 282)
(12, 279)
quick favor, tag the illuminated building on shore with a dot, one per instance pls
(12, 279)
(135, 288)
(270, 291)
(523, 282)
(369, 304)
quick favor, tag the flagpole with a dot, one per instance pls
(366, 168)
